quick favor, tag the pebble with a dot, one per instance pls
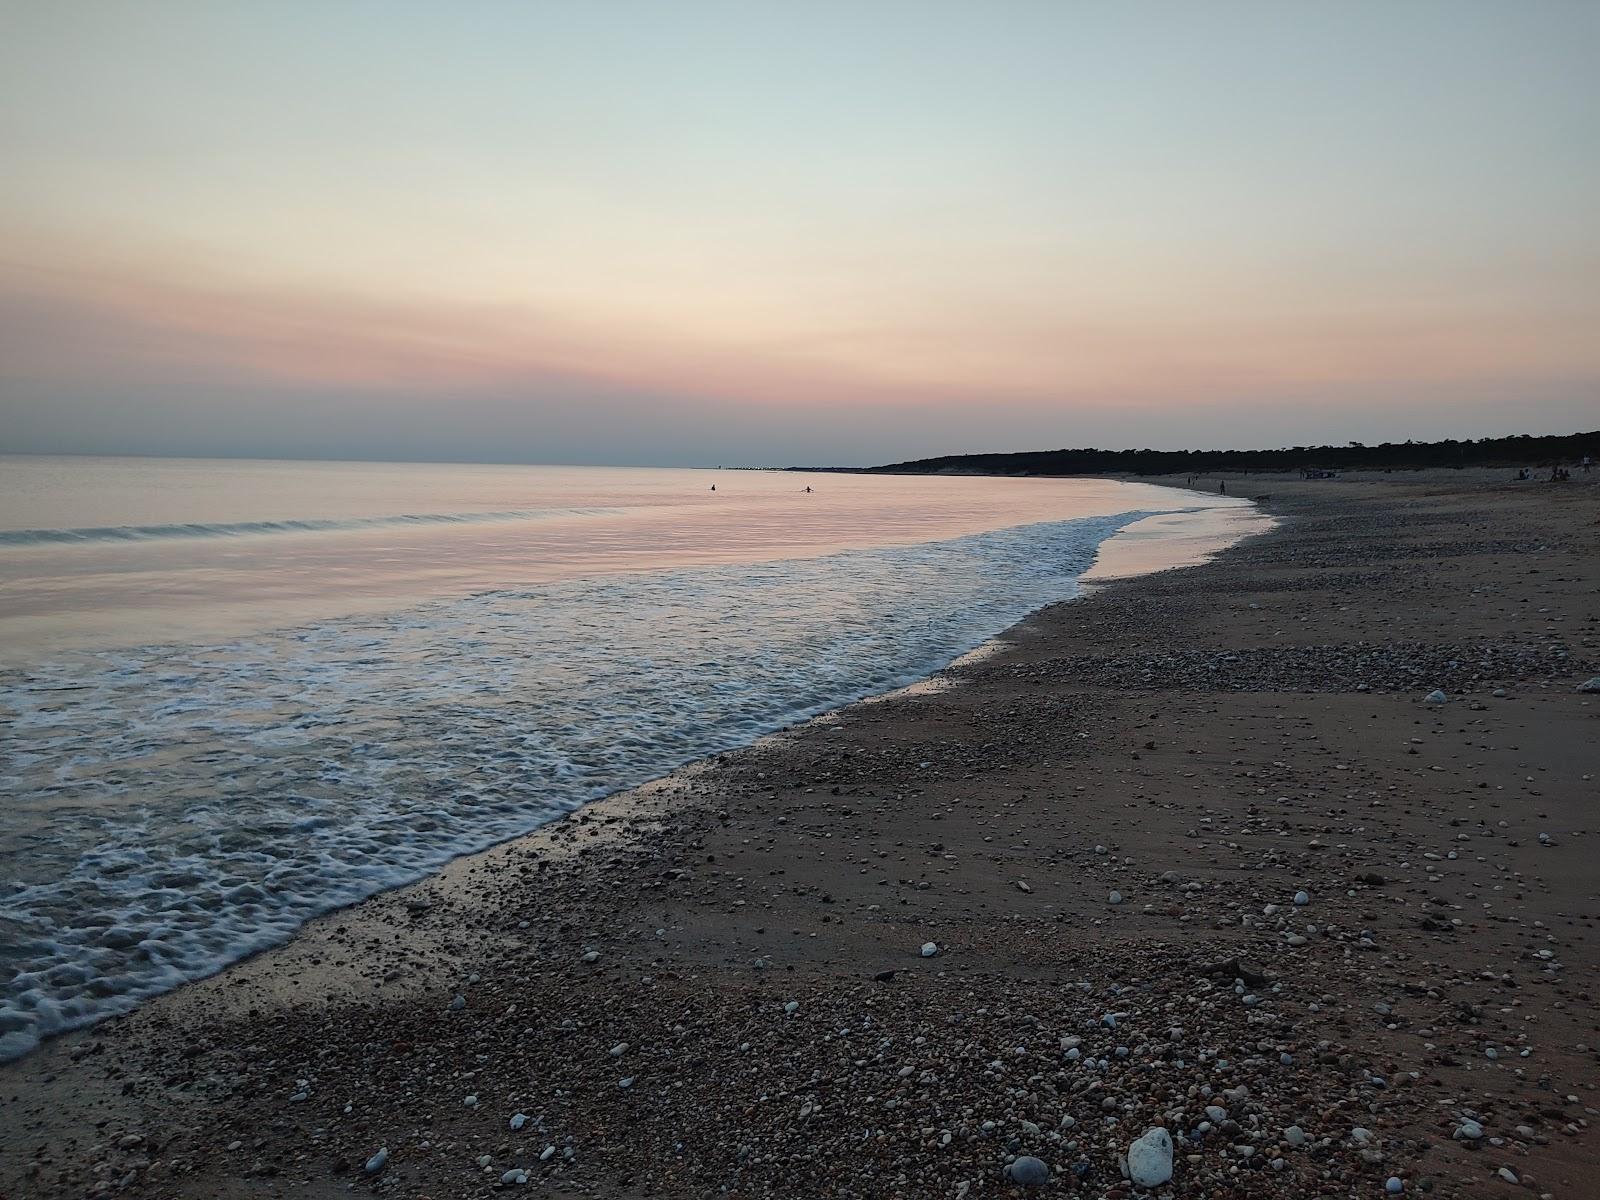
(514, 1175)
(378, 1161)
(1302, 899)
(1150, 1158)
(1436, 697)
(1395, 1185)
(1468, 1131)
(1590, 685)
(518, 1121)
(929, 949)
(1028, 1171)
(457, 1004)
(1115, 898)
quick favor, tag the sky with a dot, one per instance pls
(693, 232)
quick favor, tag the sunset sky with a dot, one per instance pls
(689, 232)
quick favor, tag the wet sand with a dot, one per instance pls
(715, 985)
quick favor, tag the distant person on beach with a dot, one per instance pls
(1222, 488)
(808, 487)
(713, 487)
(1588, 463)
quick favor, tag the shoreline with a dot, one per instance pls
(697, 849)
(1162, 541)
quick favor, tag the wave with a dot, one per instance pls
(328, 762)
(141, 533)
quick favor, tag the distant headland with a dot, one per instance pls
(1519, 451)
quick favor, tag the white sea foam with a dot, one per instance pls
(173, 809)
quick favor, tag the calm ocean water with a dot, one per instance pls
(235, 695)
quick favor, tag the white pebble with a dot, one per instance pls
(1150, 1158)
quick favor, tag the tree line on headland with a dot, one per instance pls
(1520, 451)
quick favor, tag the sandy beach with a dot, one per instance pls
(1194, 851)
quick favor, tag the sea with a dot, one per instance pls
(235, 695)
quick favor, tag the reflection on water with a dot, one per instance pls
(349, 537)
(1173, 539)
